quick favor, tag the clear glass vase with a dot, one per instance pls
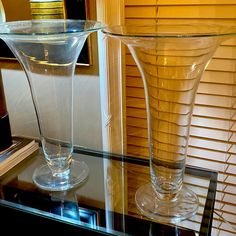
(48, 51)
(171, 59)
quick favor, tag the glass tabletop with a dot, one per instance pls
(104, 203)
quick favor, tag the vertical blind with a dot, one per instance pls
(212, 142)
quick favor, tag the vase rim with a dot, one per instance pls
(48, 27)
(167, 30)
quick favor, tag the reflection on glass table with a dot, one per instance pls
(105, 202)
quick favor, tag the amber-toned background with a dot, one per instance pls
(212, 141)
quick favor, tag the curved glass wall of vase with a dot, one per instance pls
(171, 59)
(48, 51)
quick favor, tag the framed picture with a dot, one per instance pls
(79, 9)
(35, 9)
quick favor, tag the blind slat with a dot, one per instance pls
(177, 2)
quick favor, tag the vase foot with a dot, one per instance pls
(184, 206)
(44, 179)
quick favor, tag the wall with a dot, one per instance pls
(21, 110)
(17, 9)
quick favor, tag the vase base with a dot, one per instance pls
(44, 179)
(184, 206)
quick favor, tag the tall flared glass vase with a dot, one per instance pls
(48, 51)
(171, 59)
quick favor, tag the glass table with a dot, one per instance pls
(103, 204)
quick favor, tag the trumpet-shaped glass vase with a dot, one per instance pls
(48, 51)
(171, 59)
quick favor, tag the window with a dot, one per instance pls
(212, 138)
